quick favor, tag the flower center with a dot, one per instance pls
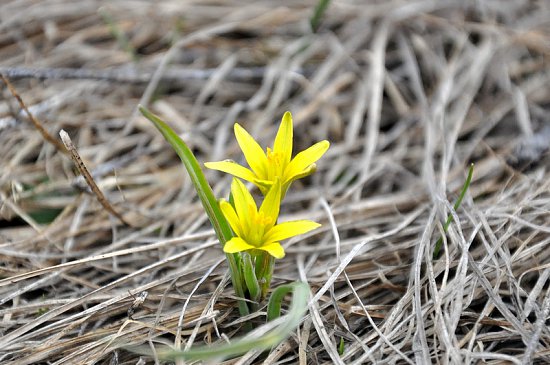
(258, 224)
(275, 165)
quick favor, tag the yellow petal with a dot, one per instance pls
(283, 140)
(271, 204)
(263, 185)
(305, 158)
(242, 201)
(289, 229)
(291, 178)
(274, 249)
(252, 151)
(236, 244)
(233, 168)
(231, 216)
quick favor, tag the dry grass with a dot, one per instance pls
(408, 92)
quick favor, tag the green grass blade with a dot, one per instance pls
(341, 346)
(206, 195)
(272, 338)
(119, 35)
(465, 187)
(320, 9)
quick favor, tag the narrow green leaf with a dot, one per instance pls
(341, 346)
(272, 338)
(119, 35)
(320, 9)
(206, 195)
(465, 187)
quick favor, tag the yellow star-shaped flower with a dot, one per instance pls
(276, 163)
(257, 229)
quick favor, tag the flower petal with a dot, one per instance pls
(231, 216)
(290, 179)
(271, 204)
(289, 229)
(305, 158)
(274, 249)
(233, 168)
(263, 185)
(236, 244)
(252, 151)
(283, 140)
(243, 202)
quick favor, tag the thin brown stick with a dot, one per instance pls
(88, 177)
(37, 124)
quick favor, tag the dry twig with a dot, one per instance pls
(89, 179)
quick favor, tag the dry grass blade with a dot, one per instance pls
(409, 94)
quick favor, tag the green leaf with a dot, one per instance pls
(341, 346)
(250, 277)
(208, 200)
(116, 32)
(320, 9)
(465, 187)
(276, 300)
(268, 340)
(45, 215)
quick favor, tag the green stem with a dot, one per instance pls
(264, 271)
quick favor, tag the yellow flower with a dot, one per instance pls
(257, 229)
(266, 167)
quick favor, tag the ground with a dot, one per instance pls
(409, 94)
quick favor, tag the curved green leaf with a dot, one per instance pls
(206, 195)
(250, 277)
(276, 300)
(268, 340)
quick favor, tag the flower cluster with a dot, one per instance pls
(273, 171)
(251, 237)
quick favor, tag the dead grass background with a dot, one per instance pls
(408, 92)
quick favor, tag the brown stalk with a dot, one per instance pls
(88, 177)
(37, 124)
